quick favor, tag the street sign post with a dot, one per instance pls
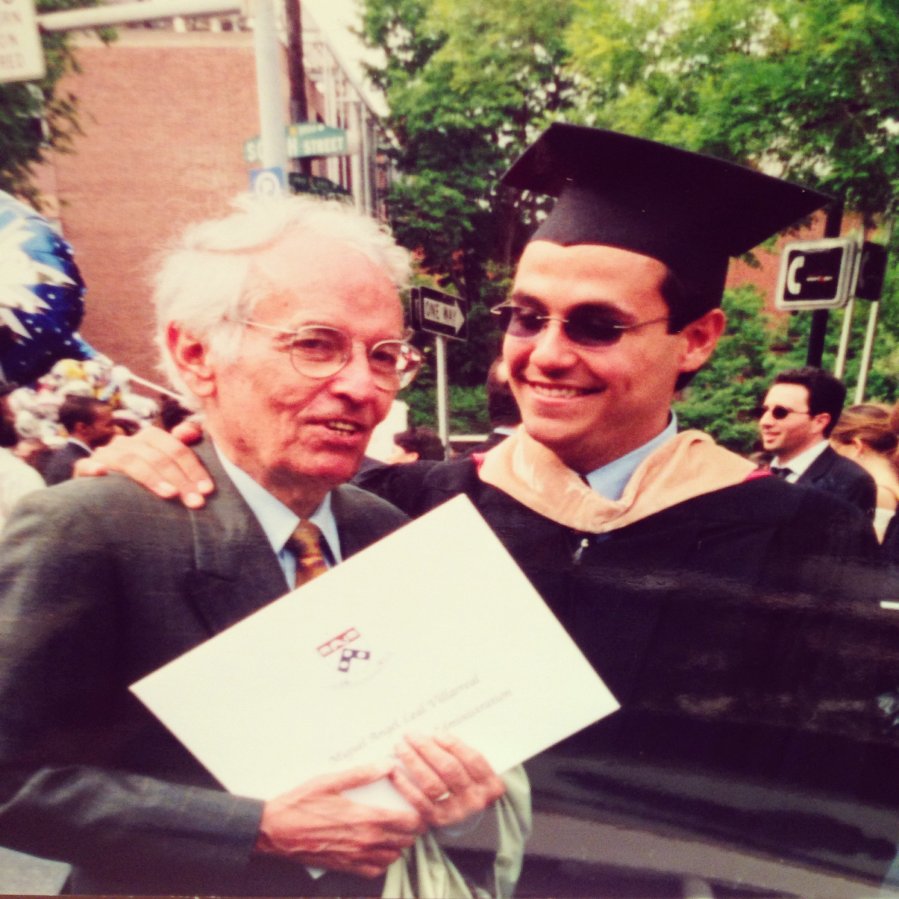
(444, 316)
(816, 274)
(827, 274)
(21, 53)
(872, 266)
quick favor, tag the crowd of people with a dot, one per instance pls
(738, 618)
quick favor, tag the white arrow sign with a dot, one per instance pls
(443, 313)
(439, 313)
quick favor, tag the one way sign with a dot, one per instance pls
(439, 313)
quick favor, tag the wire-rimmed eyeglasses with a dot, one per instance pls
(586, 325)
(320, 351)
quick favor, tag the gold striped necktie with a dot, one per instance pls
(305, 543)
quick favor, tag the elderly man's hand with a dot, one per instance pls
(317, 826)
(444, 780)
(157, 460)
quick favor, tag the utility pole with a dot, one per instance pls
(272, 145)
(296, 71)
(815, 354)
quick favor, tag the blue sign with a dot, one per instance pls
(268, 182)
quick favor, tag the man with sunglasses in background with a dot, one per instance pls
(712, 600)
(799, 413)
(283, 324)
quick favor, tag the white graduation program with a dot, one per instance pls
(432, 629)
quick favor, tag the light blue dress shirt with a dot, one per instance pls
(610, 480)
(278, 522)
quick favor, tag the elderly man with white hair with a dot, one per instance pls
(283, 323)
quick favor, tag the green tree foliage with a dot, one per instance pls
(808, 90)
(467, 408)
(724, 396)
(467, 84)
(35, 116)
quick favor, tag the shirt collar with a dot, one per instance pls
(276, 520)
(610, 480)
(801, 463)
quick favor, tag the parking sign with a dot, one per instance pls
(816, 274)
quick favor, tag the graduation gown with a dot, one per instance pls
(741, 632)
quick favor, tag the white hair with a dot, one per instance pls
(204, 282)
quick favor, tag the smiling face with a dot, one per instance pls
(592, 405)
(299, 436)
(797, 431)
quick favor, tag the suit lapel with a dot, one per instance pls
(235, 571)
(354, 534)
(820, 468)
(361, 518)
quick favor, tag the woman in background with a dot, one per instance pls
(869, 435)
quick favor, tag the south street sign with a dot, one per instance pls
(816, 274)
(439, 313)
(305, 139)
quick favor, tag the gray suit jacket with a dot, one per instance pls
(100, 584)
(60, 464)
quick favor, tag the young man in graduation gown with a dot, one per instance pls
(714, 602)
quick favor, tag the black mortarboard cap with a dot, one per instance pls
(691, 211)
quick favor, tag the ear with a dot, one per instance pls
(79, 429)
(820, 422)
(700, 337)
(191, 358)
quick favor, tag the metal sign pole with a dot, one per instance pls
(442, 391)
(840, 364)
(867, 352)
(443, 315)
(818, 331)
(272, 144)
(872, 292)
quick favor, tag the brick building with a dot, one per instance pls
(165, 115)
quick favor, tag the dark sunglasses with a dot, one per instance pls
(779, 412)
(585, 325)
